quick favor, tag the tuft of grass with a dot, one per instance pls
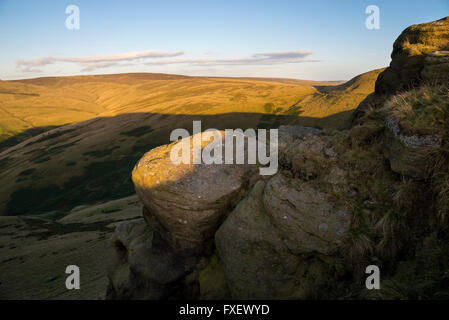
(394, 215)
(440, 183)
(423, 110)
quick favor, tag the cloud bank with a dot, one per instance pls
(269, 58)
(163, 58)
(90, 63)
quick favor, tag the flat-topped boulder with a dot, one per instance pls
(189, 200)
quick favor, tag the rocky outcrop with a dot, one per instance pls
(189, 200)
(144, 266)
(282, 240)
(408, 154)
(305, 217)
(417, 55)
(288, 134)
(436, 67)
(338, 202)
(270, 233)
(279, 241)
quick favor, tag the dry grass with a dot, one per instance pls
(395, 217)
(34, 251)
(425, 110)
(58, 101)
(109, 116)
(422, 110)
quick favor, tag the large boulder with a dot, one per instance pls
(224, 231)
(256, 262)
(408, 154)
(275, 236)
(288, 134)
(414, 57)
(144, 266)
(282, 240)
(305, 216)
(189, 200)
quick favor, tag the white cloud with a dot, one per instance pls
(158, 58)
(127, 56)
(268, 58)
(97, 61)
(284, 55)
(40, 62)
(31, 70)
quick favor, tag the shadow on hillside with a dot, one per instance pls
(335, 121)
(106, 170)
(12, 140)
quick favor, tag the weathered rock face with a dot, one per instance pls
(282, 240)
(436, 67)
(277, 243)
(306, 218)
(288, 134)
(416, 56)
(223, 231)
(285, 236)
(255, 260)
(189, 200)
(279, 239)
(144, 265)
(408, 154)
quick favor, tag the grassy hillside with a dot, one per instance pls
(55, 101)
(46, 102)
(69, 144)
(74, 140)
(34, 251)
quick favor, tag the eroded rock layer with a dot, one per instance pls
(418, 54)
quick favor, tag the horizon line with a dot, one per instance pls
(177, 74)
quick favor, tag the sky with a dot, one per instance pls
(315, 40)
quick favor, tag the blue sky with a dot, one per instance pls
(320, 40)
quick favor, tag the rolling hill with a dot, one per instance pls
(74, 140)
(68, 145)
